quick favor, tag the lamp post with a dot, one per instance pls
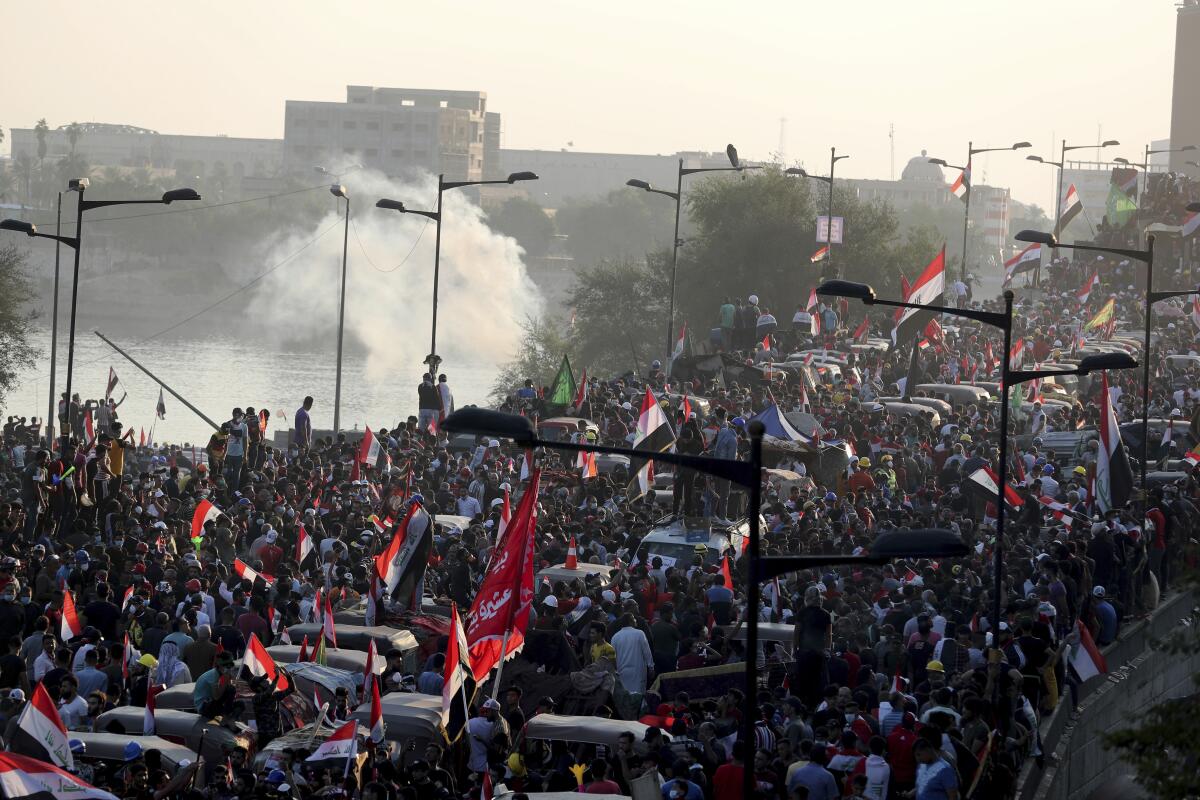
(735, 166)
(1008, 378)
(337, 190)
(436, 215)
(1146, 257)
(972, 151)
(1061, 164)
(833, 159)
(747, 474)
(80, 185)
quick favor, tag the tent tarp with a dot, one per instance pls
(406, 716)
(589, 730)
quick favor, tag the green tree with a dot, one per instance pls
(40, 130)
(525, 221)
(755, 234)
(16, 321)
(626, 224)
(542, 349)
(620, 314)
(1163, 744)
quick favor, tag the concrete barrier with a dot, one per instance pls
(1138, 677)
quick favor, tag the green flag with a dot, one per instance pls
(562, 391)
(1120, 206)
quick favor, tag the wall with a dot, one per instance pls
(1137, 678)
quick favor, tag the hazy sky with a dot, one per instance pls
(653, 76)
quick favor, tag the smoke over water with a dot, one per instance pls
(484, 292)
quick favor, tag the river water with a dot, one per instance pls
(217, 372)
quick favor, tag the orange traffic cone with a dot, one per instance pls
(572, 556)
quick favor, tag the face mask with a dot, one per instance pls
(119, 542)
(26, 601)
(8, 598)
(849, 717)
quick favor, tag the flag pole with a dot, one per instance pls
(500, 666)
(157, 380)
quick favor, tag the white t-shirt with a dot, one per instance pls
(73, 713)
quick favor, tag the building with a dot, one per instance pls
(107, 145)
(568, 174)
(1185, 94)
(923, 183)
(399, 132)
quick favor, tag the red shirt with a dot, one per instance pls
(601, 787)
(1160, 528)
(900, 754)
(727, 782)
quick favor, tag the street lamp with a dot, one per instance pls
(75, 242)
(436, 215)
(747, 474)
(972, 151)
(1061, 164)
(337, 190)
(798, 171)
(1146, 257)
(735, 166)
(1008, 378)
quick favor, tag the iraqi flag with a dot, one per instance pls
(961, 188)
(160, 410)
(23, 777)
(257, 661)
(1168, 433)
(70, 627)
(1190, 224)
(377, 729)
(860, 333)
(1027, 260)
(342, 744)
(205, 511)
(111, 386)
(812, 300)
(40, 732)
(248, 573)
(458, 685)
(149, 728)
(985, 478)
(820, 255)
(304, 544)
(680, 343)
(1087, 660)
(1092, 284)
(1070, 209)
(927, 290)
(654, 434)
(581, 393)
(1114, 476)
(402, 566)
(141, 437)
(1196, 311)
(328, 629)
(368, 449)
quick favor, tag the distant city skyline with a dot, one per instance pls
(632, 78)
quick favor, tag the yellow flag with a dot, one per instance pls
(1102, 316)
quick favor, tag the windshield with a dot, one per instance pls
(681, 552)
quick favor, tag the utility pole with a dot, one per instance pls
(892, 148)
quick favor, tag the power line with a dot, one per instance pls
(402, 262)
(236, 291)
(185, 209)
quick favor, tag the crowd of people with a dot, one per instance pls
(897, 682)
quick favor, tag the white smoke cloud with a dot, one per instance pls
(484, 290)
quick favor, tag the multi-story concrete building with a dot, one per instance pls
(1185, 95)
(107, 145)
(396, 131)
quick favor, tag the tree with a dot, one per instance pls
(626, 224)
(755, 234)
(620, 314)
(538, 359)
(74, 131)
(16, 322)
(41, 129)
(1163, 745)
(525, 221)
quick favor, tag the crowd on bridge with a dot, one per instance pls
(892, 681)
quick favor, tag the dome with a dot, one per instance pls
(919, 169)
